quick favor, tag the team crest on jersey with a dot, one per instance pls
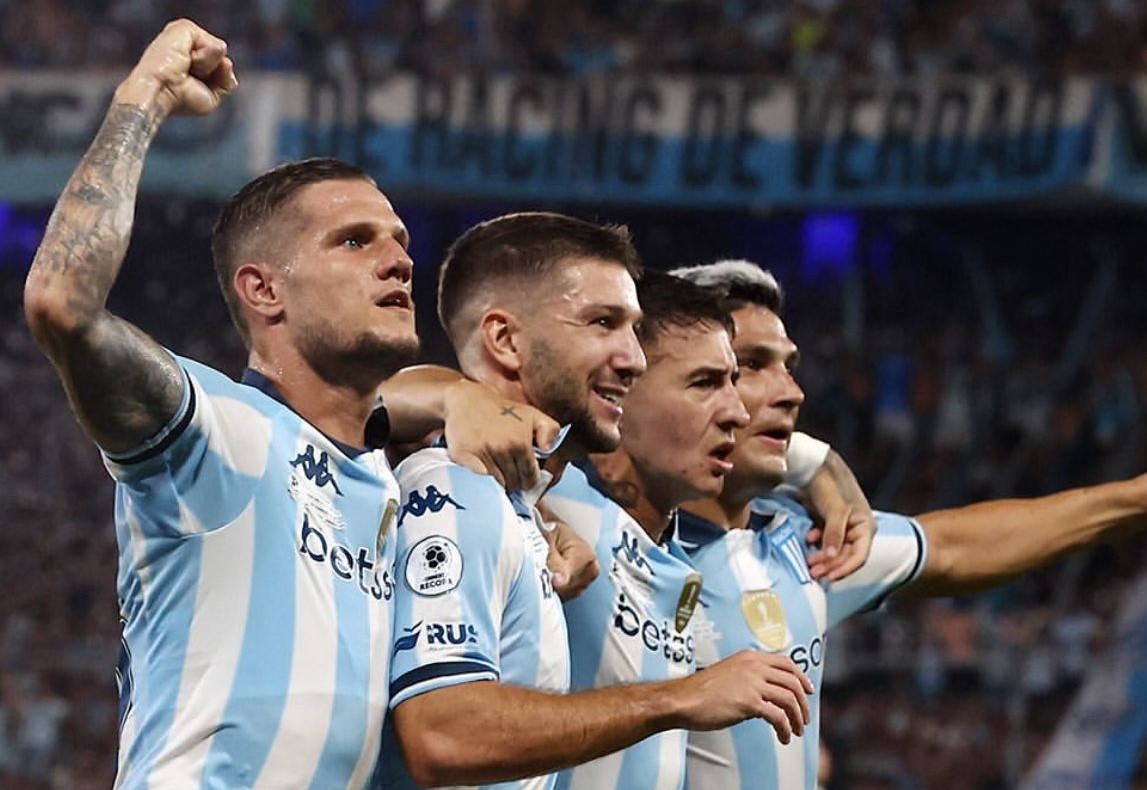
(687, 603)
(434, 566)
(766, 618)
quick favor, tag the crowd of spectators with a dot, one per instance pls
(931, 405)
(803, 38)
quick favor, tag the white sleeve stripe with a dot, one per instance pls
(917, 567)
(440, 682)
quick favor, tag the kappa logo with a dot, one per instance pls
(432, 501)
(629, 547)
(318, 471)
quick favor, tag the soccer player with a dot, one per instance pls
(748, 543)
(541, 308)
(256, 531)
(633, 623)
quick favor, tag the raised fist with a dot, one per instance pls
(185, 69)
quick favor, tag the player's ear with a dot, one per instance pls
(259, 286)
(501, 334)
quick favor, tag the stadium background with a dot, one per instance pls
(970, 305)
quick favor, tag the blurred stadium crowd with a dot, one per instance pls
(941, 384)
(806, 38)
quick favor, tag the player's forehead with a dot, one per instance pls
(586, 284)
(682, 351)
(345, 200)
(758, 326)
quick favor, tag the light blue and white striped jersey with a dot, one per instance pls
(632, 624)
(758, 595)
(255, 583)
(474, 599)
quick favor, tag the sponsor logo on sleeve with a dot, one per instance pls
(434, 566)
(410, 640)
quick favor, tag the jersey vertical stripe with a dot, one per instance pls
(474, 599)
(758, 595)
(255, 574)
(626, 628)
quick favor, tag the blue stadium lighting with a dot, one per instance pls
(830, 244)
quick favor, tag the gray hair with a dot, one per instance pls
(740, 282)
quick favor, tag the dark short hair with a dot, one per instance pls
(669, 302)
(520, 248)
(740, 282)
(249, 210)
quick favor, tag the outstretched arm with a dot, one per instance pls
(987, 543)
(483, 732)
(123, 386)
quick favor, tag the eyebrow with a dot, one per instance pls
(711, 371)
(769, 352)
(613, 310)
(397, 231)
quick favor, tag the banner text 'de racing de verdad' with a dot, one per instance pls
(660, 141)
(708, 142)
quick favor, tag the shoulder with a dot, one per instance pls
(575, 486)
(433, 464)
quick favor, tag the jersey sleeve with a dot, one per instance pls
(455, 578)
(201, 469)
(899, 550)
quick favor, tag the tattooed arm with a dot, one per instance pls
(484, 431)
(123, 386)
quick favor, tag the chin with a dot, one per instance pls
(766, 478)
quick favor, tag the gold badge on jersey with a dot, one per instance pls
(384, 525)
(766, 618)
(690, 594)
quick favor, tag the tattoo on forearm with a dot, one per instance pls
(123, 385)
(508, 411)
(87, 235)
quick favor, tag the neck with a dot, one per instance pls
(338, 408)
(728, 510)
(511, 389)
(627, 487)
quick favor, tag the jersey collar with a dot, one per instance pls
(377, 429)
(696, 531)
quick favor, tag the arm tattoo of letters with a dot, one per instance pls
(122, 384)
